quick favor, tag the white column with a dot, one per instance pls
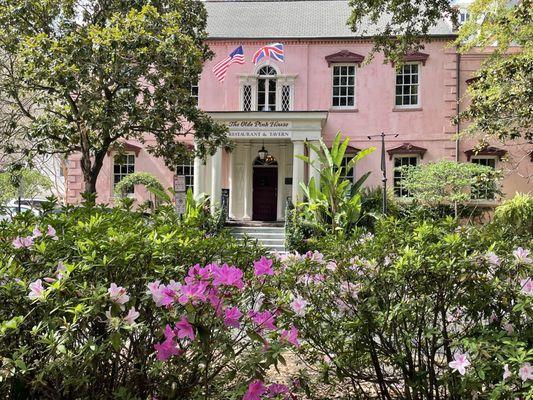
(314, 160)
(281, 182)
(198, 180)
(297, 170)
(232, 185)
(216, 188)
(247, 182)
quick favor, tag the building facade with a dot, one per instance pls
(325, 84)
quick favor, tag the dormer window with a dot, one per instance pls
(267, 90)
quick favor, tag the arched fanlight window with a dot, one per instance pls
(266, 89)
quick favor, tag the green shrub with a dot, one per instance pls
(386, 314)
(71, 340)
(517, 212)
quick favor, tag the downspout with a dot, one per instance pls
(457, 100)
(457, 111)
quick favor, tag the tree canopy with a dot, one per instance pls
(78, 75)
(502, 92)
(501, 96)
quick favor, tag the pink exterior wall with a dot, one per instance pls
(428, 127)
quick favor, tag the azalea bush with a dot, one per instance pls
(98, 303)
(419, 310)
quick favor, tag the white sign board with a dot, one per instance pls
(259, 129)
(181, 202)
(179, 183)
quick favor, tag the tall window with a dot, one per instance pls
(194, 92)
(343, 86)
(402, 161)
(266, 89)
(187, 169)
(348, 174)
(407, 85)
(485, 190)
(247, 98)
(123, 165)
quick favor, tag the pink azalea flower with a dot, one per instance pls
(36, 232)
(255, 390)
(331, 266)
(316, 256)
(226, 275)
(527, 286)
(168, 296)
(51, 232)
(154, 288)
(184, 329)
(506, 372)
(166, 349)
(49, 280)
(290, 336)
(460, 362)
(232, 316)
(36, 290)
(263, 267)
(349, 289)
(215, 300)
(60, 270)
(118, 294)
(263, 320)
(193, 292)
(132, 315)
(298, 305)
(198, 274)
(493, 259)
(22, 242)
(526, 372)
(521, 256)
(276, 389)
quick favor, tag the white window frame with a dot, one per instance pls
(481, 157)
(350, 156)
(113, 183)
(252, 80)
(197, 96)
(419, 90)
(394, 158)
(189, 176)
(354, 86)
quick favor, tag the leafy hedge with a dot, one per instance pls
(77, 319)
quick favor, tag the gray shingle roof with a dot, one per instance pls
(290, 19)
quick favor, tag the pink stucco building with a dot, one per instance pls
(325, 84)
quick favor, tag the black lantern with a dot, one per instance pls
(263, 153)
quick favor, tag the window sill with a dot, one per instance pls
(343, 110)
(402, 109)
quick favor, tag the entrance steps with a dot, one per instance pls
(270, 236)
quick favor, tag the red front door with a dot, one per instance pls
(265, 198)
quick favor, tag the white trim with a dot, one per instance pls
(112, 175)
(354, 107)
(402, 155)
(419, 90)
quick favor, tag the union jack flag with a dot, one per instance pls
(220, 69)
(274, 50)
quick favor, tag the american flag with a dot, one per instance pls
(236, 56)
(274, 50)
